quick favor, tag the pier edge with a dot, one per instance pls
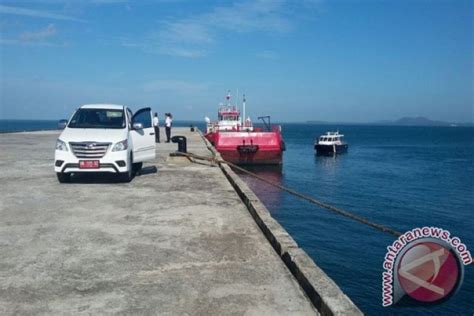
(322, 291)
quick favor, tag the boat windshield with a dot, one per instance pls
(229, 118)
(98, 118)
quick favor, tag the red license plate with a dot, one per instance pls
(89, 164)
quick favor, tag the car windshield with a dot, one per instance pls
(98, 118)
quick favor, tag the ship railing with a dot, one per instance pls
(212, 126)
(228, 109)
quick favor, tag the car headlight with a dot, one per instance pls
(121, 145)
(60, 145)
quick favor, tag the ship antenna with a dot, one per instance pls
(237, 100)
(243, 109)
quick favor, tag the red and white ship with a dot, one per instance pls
(239, 142)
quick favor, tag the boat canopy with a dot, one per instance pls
(334, 134)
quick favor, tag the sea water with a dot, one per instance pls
(27, 125)
(402, 177)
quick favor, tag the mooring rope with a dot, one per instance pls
(326, 206)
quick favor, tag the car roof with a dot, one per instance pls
(103, 106)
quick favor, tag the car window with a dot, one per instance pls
(98, 118)
(143, 117)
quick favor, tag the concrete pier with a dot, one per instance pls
(177, 239)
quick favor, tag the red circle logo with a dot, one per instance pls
(428, 271)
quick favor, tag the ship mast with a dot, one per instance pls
(228, 98)
(237, 101)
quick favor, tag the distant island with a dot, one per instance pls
(404, 121)
(416, 121)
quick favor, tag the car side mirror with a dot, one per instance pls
(62, 124)
(137, 126)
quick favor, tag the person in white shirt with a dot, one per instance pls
(168, 123)
(156, 125)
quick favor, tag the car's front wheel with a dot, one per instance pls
(137, 167)
(127, 175)
(63, 177)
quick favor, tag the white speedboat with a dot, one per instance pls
(330, 143)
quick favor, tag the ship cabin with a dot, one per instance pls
(228, 113)
(228, 118)
(331, 138)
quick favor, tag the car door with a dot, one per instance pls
(143, 135)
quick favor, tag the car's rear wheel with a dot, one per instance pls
(63, 177)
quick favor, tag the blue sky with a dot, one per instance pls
(344, 60)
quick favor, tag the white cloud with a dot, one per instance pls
(175, 86)
(108, 1)
(128, 43)
(183, 52)
(176, 50)
(36, 44)
(185, 32)
(250, 16)
(54, 2)
(39, 35)
(191, 37)
(267, 54)
(36, 13)
(37, 38)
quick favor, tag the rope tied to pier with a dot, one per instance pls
(310, 199)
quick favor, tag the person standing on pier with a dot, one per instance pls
(168, 123)
(156, 125)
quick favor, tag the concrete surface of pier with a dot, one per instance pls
(175, 240)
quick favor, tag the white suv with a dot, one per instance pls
(105, 138)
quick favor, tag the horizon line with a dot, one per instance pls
(316, 122)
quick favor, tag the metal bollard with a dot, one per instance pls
(182, 143)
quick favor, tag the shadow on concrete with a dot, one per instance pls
(106, 177)
(146, 170)
(95, 177)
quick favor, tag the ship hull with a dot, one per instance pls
(330, 149)
(249, 148)
(259, 158)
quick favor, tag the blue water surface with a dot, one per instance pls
(403, 177)
(27, 125)
(9, 126)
